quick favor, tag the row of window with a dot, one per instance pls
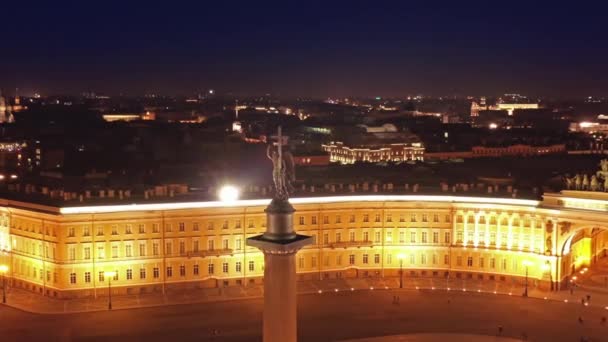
(142, 228)
(504, 221)
(128, 249)
(168, 272)
(377, 218)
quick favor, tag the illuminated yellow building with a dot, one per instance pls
(64, 252)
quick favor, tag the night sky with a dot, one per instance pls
(320, 49)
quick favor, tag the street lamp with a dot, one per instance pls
(526, 264)
(401, 256)
(547, 268)
(3, 270)
(109, 275)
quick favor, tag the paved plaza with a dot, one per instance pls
(326, 316)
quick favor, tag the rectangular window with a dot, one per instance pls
(389, 259)
(338, 219)
(481, 262)
(72, 252)
(155, 248)
(129, 274)
(325, 238)
(225, 244)
(102, 276)
(156, 272)
(389, 218)
(71, 232)
(128, 251)
(377, 237)
(251, 266)
(366, 236)
(195, 245)
(250, 224)
(423, 259)
(435, 218)
(225, 224)
(72, 278)
(338, 237)
(389, 236)
(366, 218)
(142, 249)
(413, 237)
(168, 228)
(128, 229)
(365, 258)
(195, 270)
(435, 237)
(87, 253)
(182, 227)
(155, 228)
(339, 260)
(182, 270)
(424, 238)
(351, 219)
(377, 218)
(238, 267)
(239, 243)
(168, 248)
(99, 231)
(301, 262)
(87, 277)
(142, 273)
(313, 220)
(225, 267)
(447, 237)
(413, 218)
(401, 237)
(86, 231)
(376, 258)
(114, 230)
(182, 247)
(492, 263)
(195, 227)
(351, 236)
(434, 259)
(351, 259)
(142, 229)
(470, 261)
(446, 259)
(210, 226)
(169, 271)
(447, 219)
(301, 220)
(313, 261)
(115, 251)
(424, 218)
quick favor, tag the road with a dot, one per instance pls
(322, 317)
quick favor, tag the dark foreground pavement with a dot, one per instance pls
(322, 317)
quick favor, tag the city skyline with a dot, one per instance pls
(317, 50)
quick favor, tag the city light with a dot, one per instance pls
(228, 193)
(3, 269)
(300, 200)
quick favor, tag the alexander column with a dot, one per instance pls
(280, 243)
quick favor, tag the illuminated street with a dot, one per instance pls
(322, 317)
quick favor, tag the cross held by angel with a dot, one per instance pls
(283, 168)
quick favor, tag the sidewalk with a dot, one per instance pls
(35, 303)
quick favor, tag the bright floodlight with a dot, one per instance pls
(110, 274)
(401, 256)
(3, 268)
(229, 193)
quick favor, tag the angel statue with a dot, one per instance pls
(594, 185)
(283, 170)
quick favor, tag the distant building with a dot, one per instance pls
(510, 104)
(517, 150)
(375, 144)
(312, 160)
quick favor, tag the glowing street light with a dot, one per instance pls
(109, 275)
(401, 256)
(228, 193)
(526, 264)
(3, 270)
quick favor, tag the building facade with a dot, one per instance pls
(64, 252)
(340, 153)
